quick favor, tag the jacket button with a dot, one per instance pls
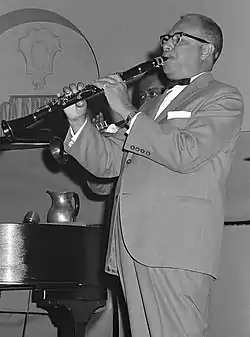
(128, 161)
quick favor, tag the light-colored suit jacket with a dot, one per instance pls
(172, 174)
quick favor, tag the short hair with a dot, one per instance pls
(211, 29)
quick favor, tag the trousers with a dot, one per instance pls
(162, 302)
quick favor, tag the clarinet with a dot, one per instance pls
(88, 92)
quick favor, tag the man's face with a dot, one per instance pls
(184, 58)
(150, 87)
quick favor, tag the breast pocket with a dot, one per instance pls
(178, 122)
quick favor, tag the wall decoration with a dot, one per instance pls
(42, 51)
(39, 48)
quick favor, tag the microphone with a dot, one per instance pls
(31, 218)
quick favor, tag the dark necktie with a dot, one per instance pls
(182, 81)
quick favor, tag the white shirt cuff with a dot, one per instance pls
(75, 135)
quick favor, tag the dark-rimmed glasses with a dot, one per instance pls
(176, 38)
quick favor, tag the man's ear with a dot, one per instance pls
(207, 50)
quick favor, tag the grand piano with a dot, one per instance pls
(63, 264)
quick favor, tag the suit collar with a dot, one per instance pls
(152, 106)
(198, 84)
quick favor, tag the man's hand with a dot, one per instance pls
(116, 92)
(75, 113)
(100, 122)
(99, 118)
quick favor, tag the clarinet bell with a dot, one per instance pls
(57, 151)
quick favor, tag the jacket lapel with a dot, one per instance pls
(152, 106)
(198, 84)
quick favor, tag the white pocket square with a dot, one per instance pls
(179, 114)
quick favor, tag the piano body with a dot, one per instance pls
(63, 264)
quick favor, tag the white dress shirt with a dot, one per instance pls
(172, 93)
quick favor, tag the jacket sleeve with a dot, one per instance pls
(208, 131)
(99, 154)
(104, 188)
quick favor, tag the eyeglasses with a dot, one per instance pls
(176, 38)
(150, 94)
